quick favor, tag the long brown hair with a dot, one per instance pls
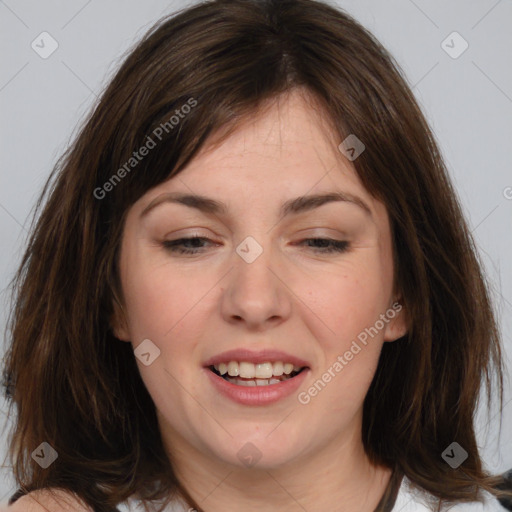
(76, 387)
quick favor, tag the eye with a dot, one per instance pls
(191, 245)
(327, 245)
(194, 245)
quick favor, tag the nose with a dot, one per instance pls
(256, 293)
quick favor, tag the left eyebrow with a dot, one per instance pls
(306, 203)
(291, 207)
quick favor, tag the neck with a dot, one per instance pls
(341, 479)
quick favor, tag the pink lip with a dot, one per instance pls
(256, 395)
(262, 356)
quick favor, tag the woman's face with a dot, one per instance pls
(260, 294)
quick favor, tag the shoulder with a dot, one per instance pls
(48, 500)
(410, 499)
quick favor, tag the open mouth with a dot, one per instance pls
(262, 374)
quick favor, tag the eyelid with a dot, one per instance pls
(214, 236)
(191, 232)
(321, 232)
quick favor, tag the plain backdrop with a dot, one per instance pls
(466, 96)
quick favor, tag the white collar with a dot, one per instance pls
(410, 499)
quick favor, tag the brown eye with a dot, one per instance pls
(191, 245)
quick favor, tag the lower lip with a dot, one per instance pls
(257, 395)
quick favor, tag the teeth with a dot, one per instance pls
(233, 369)
(247, 370)
(278, 369)
(258, 371)
(249, 383)
(254, 382)
(264, 371)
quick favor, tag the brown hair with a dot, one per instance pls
(78, 388)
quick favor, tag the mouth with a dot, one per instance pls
(259, 378)
(244, 373)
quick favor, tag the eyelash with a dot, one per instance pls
(334, 246)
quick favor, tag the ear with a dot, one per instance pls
(118, 322)
(397, 324)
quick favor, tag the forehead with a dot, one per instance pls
(288, 149)
(280, 123)
(289, 142)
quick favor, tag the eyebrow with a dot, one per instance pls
(293, 206)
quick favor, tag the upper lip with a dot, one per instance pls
(261, 356)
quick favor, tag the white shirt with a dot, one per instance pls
(408, 500)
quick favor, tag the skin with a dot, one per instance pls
(293, 297)
(53, 500)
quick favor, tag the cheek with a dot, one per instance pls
(350, 298)
(166, 306)
(350, 303)
(170, 306)
(160, 296)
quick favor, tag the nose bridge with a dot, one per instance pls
(255, 294)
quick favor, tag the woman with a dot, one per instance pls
(251, 285)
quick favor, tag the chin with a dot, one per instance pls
(258, 450)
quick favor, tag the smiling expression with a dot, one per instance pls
(290, 260)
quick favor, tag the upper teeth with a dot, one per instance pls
(259, 371)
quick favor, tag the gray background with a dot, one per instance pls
(467, 100)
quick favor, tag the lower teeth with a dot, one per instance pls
(256, 382)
